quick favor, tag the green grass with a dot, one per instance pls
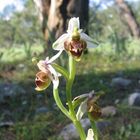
(19, 53)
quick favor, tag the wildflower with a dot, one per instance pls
(47, 73)
(93, 109)
(88, 103)
(90, 135)
(74, 41)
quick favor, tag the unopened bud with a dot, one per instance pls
(34, 60)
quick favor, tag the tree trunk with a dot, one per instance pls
(129, 17)
(54, 15)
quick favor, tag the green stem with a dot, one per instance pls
(61, 70)
(69, 98)
(59, 103)
(70, 83)
(80, 129)
(94, 127)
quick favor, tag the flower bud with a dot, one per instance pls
(34, 60)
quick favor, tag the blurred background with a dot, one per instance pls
(27, 30)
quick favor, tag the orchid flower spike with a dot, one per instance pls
(74, 41)
(47, 73)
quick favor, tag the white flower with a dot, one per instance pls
(47, 73)
(90, 135)
(74, 41)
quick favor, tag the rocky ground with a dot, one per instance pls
(28, 115)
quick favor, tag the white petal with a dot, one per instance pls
(89, 40)
(54, 57)
(86, 37)
(91, 44)
(73, 23)
(59, 43)
(90, 135)
(81, 110)
(81, 96)
(41, 65)
(80, 31)
(55, 79)
(47, 59)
